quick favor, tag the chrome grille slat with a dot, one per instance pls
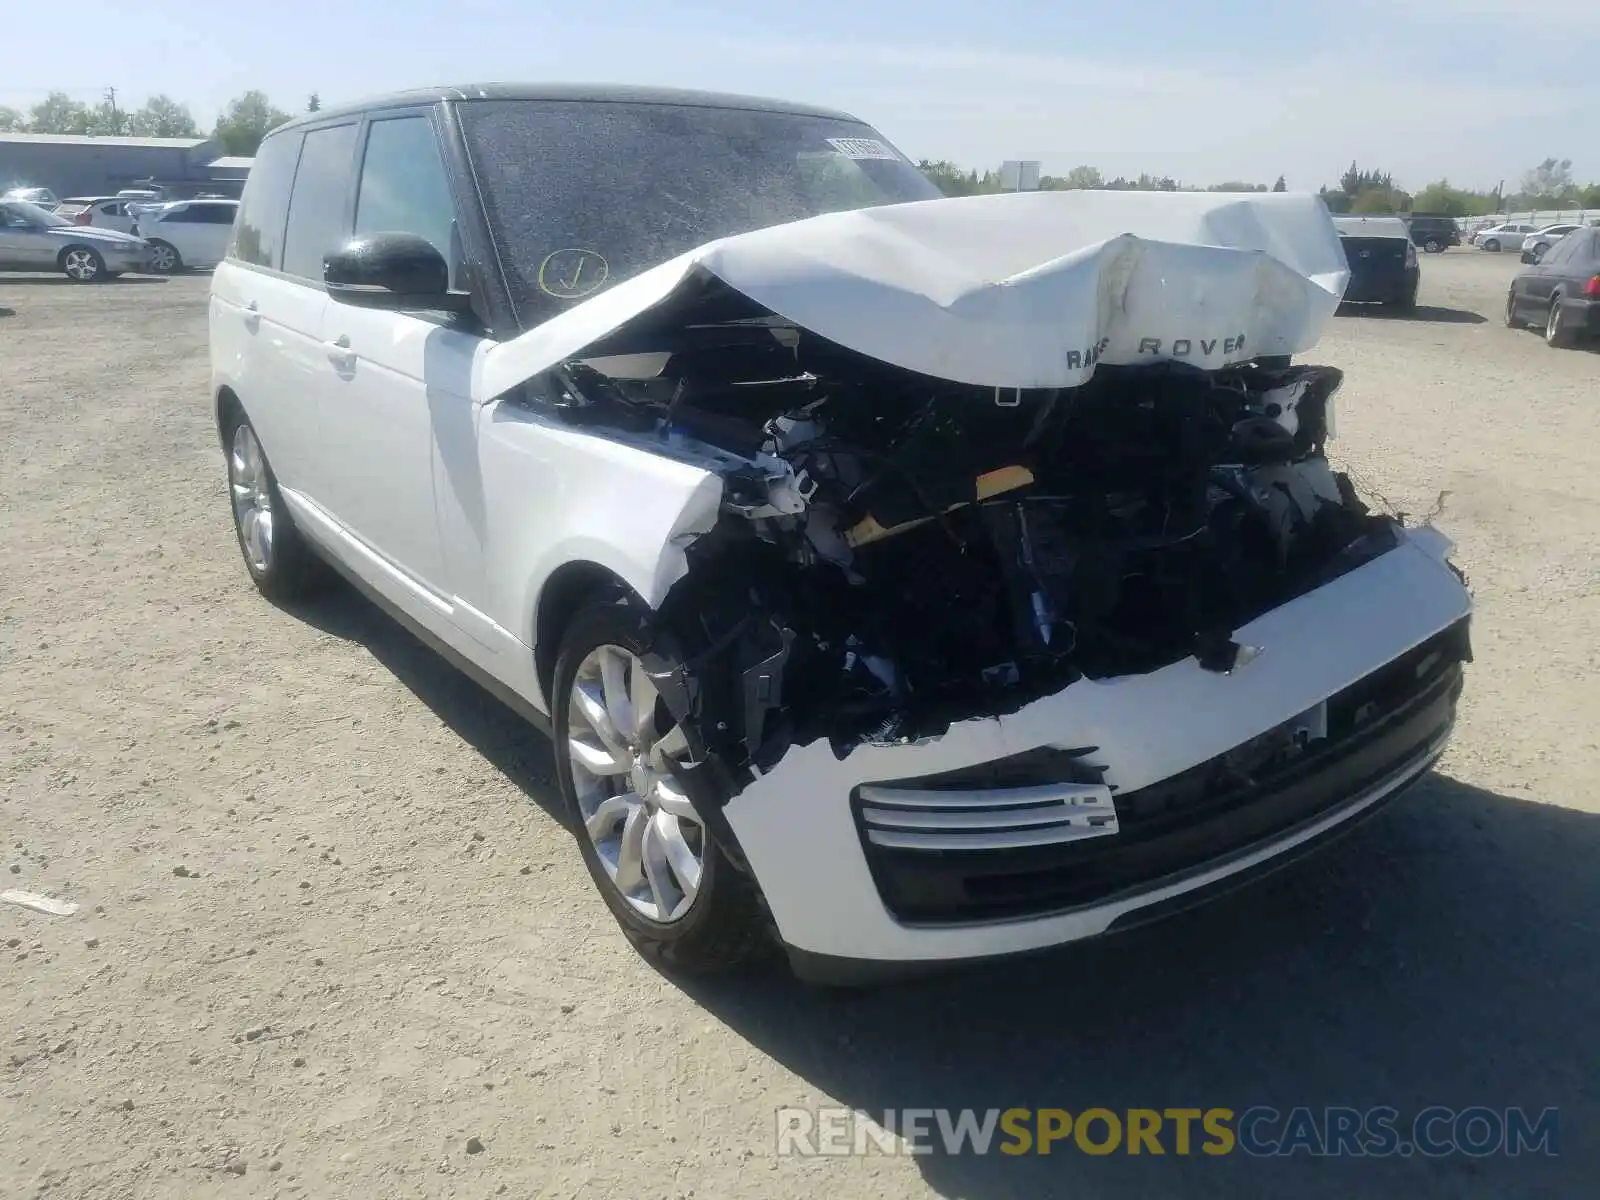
(1040, 793)
(910, 818)
(966, 818)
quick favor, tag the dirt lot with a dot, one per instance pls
(329, 930)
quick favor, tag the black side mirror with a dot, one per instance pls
(391, 271)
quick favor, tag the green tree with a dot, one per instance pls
(246, 121)
(1550, 182)
(1282, 185)
(949, 178)
(314, 104)
(11, 121)
(1237, 185)
(1083, 178)
(162, 116)
(59, 113)
(1380, 200)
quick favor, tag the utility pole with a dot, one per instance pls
(116, 117)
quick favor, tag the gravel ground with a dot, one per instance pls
(329, 930)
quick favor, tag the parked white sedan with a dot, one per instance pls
(100, 212)
(187, 233)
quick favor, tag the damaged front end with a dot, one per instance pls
(896, 552)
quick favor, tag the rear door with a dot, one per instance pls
(1543, 280)
(1579, 263)
(266, 322)
(210, 226)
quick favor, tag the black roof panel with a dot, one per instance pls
(599, 92)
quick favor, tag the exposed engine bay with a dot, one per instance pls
(897, 552)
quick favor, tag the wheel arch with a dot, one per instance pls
(564, 594)
(225, 405)
(61, 256)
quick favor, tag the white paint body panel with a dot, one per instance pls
(1010, 290)
(1148, 727)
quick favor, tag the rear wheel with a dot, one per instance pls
(679, 898)
(164, 258)
(281, 565)
(1492, 245)
(1433, 245)
(82, 264)
(1556, 333)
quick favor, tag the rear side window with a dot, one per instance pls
(264, 207)
(212, 214)
(317, 209)
(404, 188)
(1560, 252)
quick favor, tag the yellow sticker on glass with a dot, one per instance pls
(571, 274)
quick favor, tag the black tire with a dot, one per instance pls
(175, 265)
(1433, 245)
(1556, 334)
(1512, 320)
(82, 264)
(1492, 245)
(1405, 304)
(726, 927)
(292, 570)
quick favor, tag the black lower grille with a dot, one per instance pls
(1250, 794)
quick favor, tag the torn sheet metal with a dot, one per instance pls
(1025, 290)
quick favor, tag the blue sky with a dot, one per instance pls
(1241, 89)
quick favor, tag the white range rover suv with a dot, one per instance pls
(902, 580)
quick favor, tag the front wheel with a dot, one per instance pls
(679, 898)
(1433, 245)
(83, 264)
(281, 565)
(1492, 246)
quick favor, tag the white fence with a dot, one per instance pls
(1563, 216)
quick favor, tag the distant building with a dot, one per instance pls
(76, 165)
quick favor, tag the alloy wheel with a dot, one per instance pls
(1552, 325)
(644, 829)
(252, 497)
(81, 265)
(162, 258)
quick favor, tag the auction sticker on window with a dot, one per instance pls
(863, 148)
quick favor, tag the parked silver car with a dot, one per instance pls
(32, 239)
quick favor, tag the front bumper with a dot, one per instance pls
(834, 900)
(129, 258)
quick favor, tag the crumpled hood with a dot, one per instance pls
(1026, 290)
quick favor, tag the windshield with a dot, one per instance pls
(33, 214)
(582, 194)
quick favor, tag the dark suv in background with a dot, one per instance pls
(1433, 232)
